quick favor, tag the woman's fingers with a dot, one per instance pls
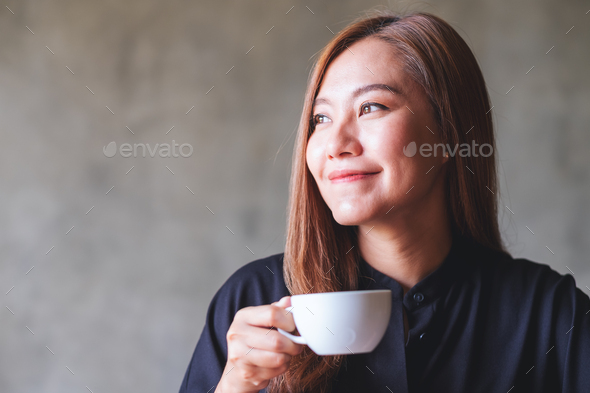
(257, 352)
(254, 375)
(250, 356)
(267, 316)
(283, 302)
(270, 340)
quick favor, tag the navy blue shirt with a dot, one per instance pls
(481, 322)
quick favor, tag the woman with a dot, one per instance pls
(375, 204)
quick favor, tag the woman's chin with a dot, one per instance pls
(349, 217)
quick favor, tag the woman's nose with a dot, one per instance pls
(343, 140)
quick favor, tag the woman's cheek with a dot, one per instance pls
(313, 156)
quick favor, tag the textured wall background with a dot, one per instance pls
(118, 294)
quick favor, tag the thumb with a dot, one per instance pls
(284, 302)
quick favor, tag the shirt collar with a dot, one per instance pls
(430, 287)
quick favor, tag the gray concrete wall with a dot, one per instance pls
(120, 299)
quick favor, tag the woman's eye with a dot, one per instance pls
(319, 118)
(370, 107)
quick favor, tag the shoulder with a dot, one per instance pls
(525, 283)
(261, 267)
(495, 265)
(524, 273)
(542, 283)
(256, 283)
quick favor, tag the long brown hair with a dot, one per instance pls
(320, 254)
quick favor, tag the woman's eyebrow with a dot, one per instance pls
(362, 90)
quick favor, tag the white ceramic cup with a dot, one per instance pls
(340, 323)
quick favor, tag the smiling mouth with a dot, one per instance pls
(351, 178)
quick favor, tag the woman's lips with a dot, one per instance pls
(351, 178)
(338, 173)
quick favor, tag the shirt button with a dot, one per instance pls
(418, 297)
(422, 336)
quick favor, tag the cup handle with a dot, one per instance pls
(295, 339)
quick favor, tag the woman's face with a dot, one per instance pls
(363, 126)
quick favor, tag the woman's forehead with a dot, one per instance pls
(369, 61)
(347, 91)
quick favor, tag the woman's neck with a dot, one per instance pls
(409, 245)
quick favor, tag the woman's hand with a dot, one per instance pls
(257, 352)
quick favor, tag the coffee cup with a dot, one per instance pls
(340, 323)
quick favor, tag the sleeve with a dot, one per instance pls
(572, 336)
(259, 282)
(209, 358)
